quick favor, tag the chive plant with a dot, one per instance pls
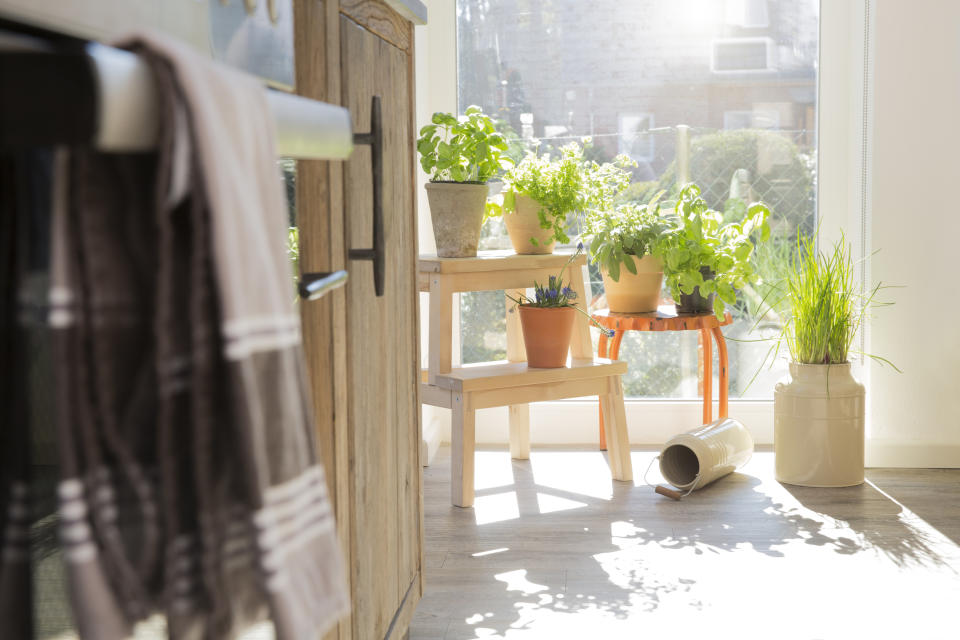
(825, 310)
(822, 299)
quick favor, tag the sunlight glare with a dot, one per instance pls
(573, 471)
(517, 581)
(496, 508)
(550, 504)
(493, 469)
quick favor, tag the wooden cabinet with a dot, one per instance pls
(363, 350)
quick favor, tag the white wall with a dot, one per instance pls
(916, 226)
(435, 47)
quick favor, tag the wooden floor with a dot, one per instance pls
(554, 549)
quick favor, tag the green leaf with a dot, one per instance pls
(614, 271)
(719, 307)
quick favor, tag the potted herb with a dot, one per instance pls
(819, 408)
(622, 241)
(539, 194)
(547, 320)
(704, 260)
(460, 155)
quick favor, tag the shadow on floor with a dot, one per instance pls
(906, 514)
(536, 546)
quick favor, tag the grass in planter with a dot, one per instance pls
(823, 308)
(823, 298)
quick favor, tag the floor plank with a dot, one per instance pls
(555, 549)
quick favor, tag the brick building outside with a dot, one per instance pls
(711, 64)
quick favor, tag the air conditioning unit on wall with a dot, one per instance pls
(743, 55)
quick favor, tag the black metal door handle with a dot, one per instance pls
(376, 254)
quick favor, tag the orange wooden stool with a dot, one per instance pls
(666, 319)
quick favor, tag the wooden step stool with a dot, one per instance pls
(463, 390)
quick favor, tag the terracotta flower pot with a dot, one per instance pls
(546, 334)
(523, 223)
(818, 430)
(456, 209)
(635, 293)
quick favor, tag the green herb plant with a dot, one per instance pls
(562, 186)
(293, 252)
(464, 149)
(617, 236)
(701, 239)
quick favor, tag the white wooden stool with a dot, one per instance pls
(465, 389)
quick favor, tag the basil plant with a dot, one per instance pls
(465, 149)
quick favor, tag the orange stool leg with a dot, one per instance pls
(602, 352)
(707, 376)
(724, 372)
(613, 355)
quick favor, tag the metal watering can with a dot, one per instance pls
(694, 459)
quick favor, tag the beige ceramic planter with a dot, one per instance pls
(523, 223)
(635, 293)
(818, 415)
(456, 210)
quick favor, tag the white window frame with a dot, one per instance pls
(651, 422)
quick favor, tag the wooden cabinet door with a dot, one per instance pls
(382, 344)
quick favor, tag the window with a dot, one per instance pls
(731, 55)
(750, 14)
(634, 137)
(756, 119)
(554, 71)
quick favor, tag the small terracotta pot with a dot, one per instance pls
(546, 334)
(523, 223)
(635, 293)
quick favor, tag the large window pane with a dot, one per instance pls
(719, 92)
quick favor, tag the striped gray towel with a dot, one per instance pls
(191, 483)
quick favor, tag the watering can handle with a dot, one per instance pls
(670, 493)
(652, 460)
(664, 491)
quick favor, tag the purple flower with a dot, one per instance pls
(610, 332)
(580, 246)
(553, 282)
(570, 293)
